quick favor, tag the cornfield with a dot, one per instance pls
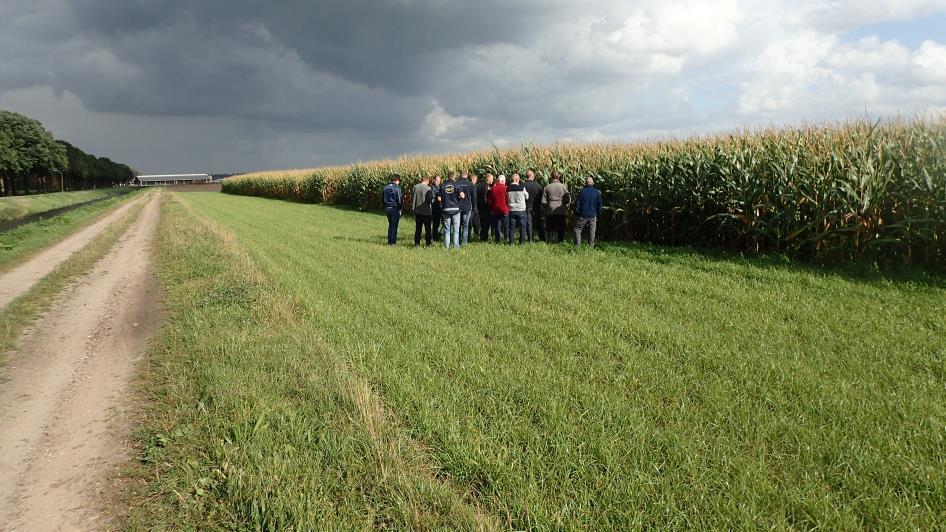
(828, 193)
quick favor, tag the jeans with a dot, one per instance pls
(518, 219)
(580, 224)
(394, 217)
(451, 227)
(421, 220)
(500, 226)
(535, 227)
(465, 218)
(556, 223)
(486, 221)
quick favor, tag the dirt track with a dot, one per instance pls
(65, 388)
(20, 279)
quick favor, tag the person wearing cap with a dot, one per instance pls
(467, 202)
(587, 210)
(420, 202)
(535, 227)
(436, 213)
(449, 199)
(393, 200)
(555, 201)
(482, 205)
(499, 209)
(518, 199)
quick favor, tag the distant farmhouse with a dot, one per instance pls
(171, 179)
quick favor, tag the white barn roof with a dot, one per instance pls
(174, 177)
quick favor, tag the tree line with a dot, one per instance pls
(33, 161)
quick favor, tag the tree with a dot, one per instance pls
(28, 150)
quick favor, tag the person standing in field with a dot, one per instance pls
(518, 199)
(393, 200)
(534, 208)
(475, 217)
(482, 206)
(587, 210)
(499, 209)
(467, 202)
(449, 198)
(555, 201)
(436, 211)
(420, 202)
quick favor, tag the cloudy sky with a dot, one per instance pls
(240, 85)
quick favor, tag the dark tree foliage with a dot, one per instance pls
(31, 160)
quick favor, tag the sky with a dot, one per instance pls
(171, 86)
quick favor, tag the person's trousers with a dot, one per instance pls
(436, 219)
(475, 223)
(518, 220)
(465, 218)
(500, 226)
(451, 229)
(486, 221)
(394, 217)
(535, 228)
(556, 225)
(580, 224)
(422, 221)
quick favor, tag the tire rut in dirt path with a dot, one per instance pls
(67, 385)
(18, 280)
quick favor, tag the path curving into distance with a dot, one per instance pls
(19, 279)
(65, 389)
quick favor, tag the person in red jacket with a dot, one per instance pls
(499, 208)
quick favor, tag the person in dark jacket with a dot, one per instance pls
(467, 201)
(482, 206)
(499, 209)
(449, 198)
(393, 200)
(535, 227)
(475, 217)
(436, 211)
(587, 210)
(422, 213)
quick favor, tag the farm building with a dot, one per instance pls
(171, 179)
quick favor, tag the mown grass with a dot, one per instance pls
(14, 207)
(540, 387)
(20, 242)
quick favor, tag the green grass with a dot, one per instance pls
(14, 207)
(20, 242)
(309, 376)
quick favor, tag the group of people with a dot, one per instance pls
(448, 210)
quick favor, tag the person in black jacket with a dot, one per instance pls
(475, 218)
(482, 206)
(436, 210)
(393, 200)
(534, 223)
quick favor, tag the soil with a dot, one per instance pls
(66, 393)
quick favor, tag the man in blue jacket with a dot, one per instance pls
(587, 210)
(393, 199)
(467, 205)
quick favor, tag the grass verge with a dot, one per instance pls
(14, 207)
(255, 422)
(21, 242)
(16, 316)
(539, 386)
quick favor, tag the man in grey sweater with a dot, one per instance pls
(517, 197)
(555, 201)
(420, 202)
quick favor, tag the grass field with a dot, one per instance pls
(20, 242)
(308, 376)
(14, 207)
